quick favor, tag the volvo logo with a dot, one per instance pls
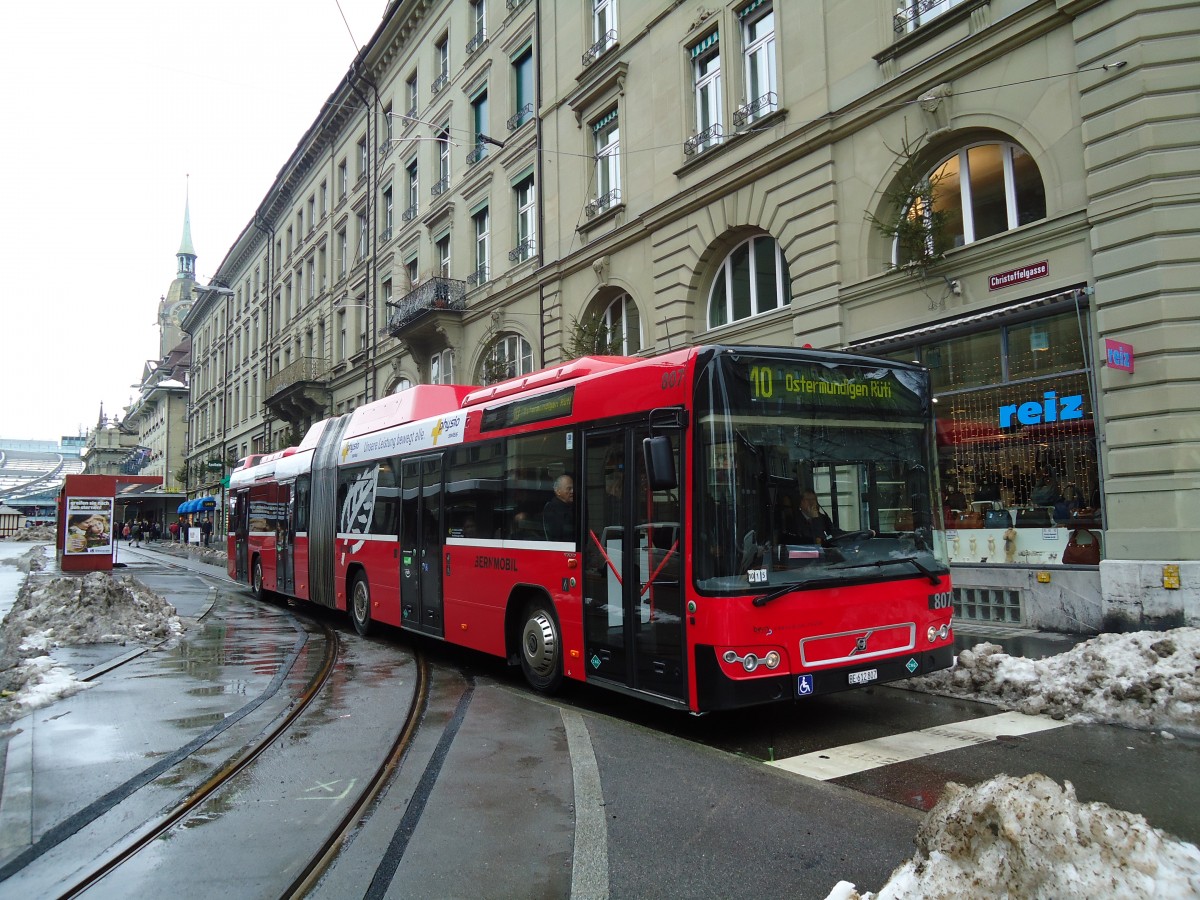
(860, 643)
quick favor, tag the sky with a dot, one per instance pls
(116, 114)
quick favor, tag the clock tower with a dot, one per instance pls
(174, 307)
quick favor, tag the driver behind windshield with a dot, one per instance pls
(813, 526)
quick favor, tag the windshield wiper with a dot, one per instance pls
(933, 577)
(776, 594)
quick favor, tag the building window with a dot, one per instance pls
(910, 16)
(343, 180)
(343, 348)
(522, 89)
(980, 191)
(412, 92)
(363, 157)
(312, 212)
(324, 202)
(414, 184)
(706, 69)
(387, 214)
(482, 247)
(441, 56)
(752, 280)
(410, 270)
(343, 252)
(510, 356)
(442, 247)
(312, 278)
(479, 114)
(622, 327)
(402, 385)
(607, 141)
(361, 253)
(441, 367)
(526, 197)
(478, 10)
(443, 141)
(604, 29)
(758, 37)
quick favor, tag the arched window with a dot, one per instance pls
(402, 385)
(622, 326)
(979, 191)
(752, 280)
(509, 356)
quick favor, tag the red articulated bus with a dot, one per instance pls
(712, 528)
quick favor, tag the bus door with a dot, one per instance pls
(633, 602)
(241, 536)
(421, 545)
(285, 541)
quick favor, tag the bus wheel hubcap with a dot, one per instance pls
(541, 644)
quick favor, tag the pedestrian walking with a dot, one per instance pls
(127, 533)
(137, 534)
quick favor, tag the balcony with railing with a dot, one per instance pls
(441, 187)
(477, 154)
(523, 250)
(756, 109)
(479, 276)
(599, 48)
(705, 140)
(477, 42)
(522, 115)
(299, 392)
(409, 214)
(426, 307)
(440, 82)
(603, 203)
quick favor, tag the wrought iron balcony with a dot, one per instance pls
(523, 115)
(307, 369)
(709, 137)
(514, 5)
(440, 82)
(435, 295)
(912, 15)
(441, 187)
(597, 49)
(476, 42)
(477, 154)
(410, 115)
(409, 214)
(600, 204)
(385, 234)
(756, 109)
(523, 250)
(479, 276)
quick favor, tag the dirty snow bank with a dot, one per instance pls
(1028, 837)
(94, 609)
(32, 560)
(37, 534)
(214, 555)
(1146, 679)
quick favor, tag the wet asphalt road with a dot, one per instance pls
(493, 797)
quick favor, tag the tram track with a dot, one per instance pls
(355, 814)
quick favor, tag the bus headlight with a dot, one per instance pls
(772, 660)
(751, 660)
(932, 633)
(944, 632)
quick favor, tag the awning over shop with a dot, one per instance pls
(197, 504)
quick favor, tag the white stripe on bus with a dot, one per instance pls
(510, 544)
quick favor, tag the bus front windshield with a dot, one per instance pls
(811, 471)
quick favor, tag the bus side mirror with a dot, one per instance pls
(660, 463)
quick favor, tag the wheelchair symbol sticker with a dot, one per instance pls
(804, 686)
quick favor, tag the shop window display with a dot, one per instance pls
(1017, 456)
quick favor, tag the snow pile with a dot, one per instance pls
(32, 560)
(1027, 837)
(49, 612)
(214, 555)
(1146, 679)
(37, 534)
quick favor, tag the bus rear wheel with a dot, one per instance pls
(256, 580)
(360, 605)
(541, 649)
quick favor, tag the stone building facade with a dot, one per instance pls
(1001, 189)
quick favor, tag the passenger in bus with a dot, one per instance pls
(558, 517)
(524, 528)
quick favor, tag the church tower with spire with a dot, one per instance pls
(173, 308)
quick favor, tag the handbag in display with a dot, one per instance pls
(997, 518)
(1083, 549)
(1034, 517)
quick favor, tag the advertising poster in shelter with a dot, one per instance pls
(89, 526)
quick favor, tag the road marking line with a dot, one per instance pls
(589, 864)
(837, 762)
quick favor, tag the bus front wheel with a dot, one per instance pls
(541, 649)
(360, 605)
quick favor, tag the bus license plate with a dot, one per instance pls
(864, 677)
